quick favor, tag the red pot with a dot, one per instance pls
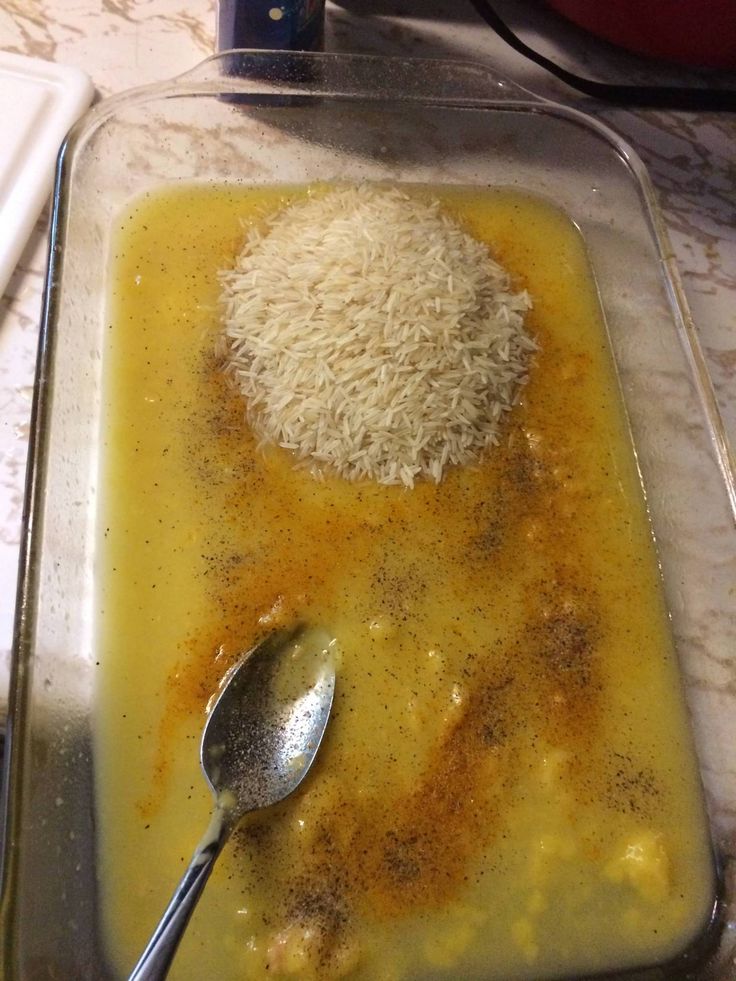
(691, 32)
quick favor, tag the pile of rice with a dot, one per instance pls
(370, 333)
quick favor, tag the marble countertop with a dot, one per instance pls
(124, 43)
(690, 157)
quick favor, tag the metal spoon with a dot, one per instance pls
(261, 737)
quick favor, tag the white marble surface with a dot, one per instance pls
(123, 43)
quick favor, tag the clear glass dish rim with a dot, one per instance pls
(209, 78)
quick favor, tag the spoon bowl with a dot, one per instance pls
(266, 723)
(263, 730)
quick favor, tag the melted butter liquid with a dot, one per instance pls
(507, 787)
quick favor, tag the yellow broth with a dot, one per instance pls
(507, 787)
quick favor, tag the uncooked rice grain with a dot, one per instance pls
(370, 334)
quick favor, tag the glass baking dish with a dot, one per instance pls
(287, 119)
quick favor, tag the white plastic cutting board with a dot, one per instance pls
(39, 101)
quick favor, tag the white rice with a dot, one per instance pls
(370, 334)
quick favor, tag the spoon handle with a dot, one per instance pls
(156, 959)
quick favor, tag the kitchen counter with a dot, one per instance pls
(124, 43)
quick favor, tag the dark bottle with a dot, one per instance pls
(296, 25)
